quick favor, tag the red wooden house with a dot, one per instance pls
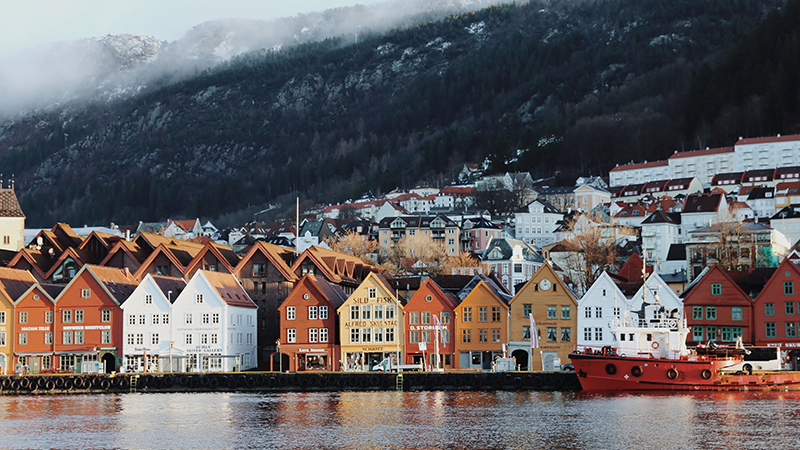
(88, 325)
(717, 309)
(428, 305)
(775, 312)
(308, 326)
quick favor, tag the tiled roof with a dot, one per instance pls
(15, 282)
(9, 205)
(167, 284)
(229, 289)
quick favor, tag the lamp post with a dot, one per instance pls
(280, 359)
(169, 305)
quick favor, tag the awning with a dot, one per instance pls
(33, 353)
(77, 352)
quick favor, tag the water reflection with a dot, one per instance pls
(414, 420)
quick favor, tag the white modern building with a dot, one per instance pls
(536, 223)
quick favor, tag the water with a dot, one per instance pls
(404, 420)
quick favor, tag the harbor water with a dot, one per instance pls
(403, 420)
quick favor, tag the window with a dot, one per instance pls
(198, 298)
(788, 288)
(483, 314)
(425, 317)
(366, 335)
(105, 315)
(165, 318)
(390, 316)
(290, 313)
(697, 334)
(130, 339)
(204, 338)
(587, 334)
(551, 334)
(729, 334)
(483, 335)
(716, 288)
(587, 312)
(598, 312)
(445, 317)
(526, 310)
(354, 312)
(23, 317)
(79, 337)
(312, 313)
(259, 270)
(323, 335)
(468, 314)
(66, 337)
(366, 312)
(23, 338)
(355, 335)
(389, 334)
(791, 329)
(413, 337)
(711, 333)
(214, 338)
(86, 293)
(214, 318)
(187, 318)
(770, 330)
(495, 335)
(205, 318)
(711, 313)
(769, 309)
(789, 308)
(291, 335)
(66, 316)
(372, 293)
(3, 316)
(48, 339)
(187, 339)
(566, 335)
(551, 311)
(466, 336)
(323, 313)
(598, 334)
(413, 318)
(313, 335)
(526, 333)
(736, 313)
(105, 337)
(148, 299)
(142, 319)
(565, 312)
(495, 314)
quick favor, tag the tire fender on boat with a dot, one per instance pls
(636, 371)
(672, 373)
(706, 374)
(611, 369)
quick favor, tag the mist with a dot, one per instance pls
(113, 67)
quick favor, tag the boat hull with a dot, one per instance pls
(619, 373)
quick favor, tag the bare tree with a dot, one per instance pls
(352, 243)
(592, 247)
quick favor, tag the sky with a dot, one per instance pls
(25, 24)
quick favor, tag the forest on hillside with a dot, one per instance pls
(558, 88)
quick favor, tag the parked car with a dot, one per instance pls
(568, 367)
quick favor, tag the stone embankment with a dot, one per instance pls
(285, 382)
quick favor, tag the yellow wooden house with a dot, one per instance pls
(554, 308)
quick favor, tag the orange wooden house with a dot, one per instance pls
(481, 323)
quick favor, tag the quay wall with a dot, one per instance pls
(284, 382)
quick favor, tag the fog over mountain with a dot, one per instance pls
(119, 65)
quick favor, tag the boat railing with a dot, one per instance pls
(605, 350)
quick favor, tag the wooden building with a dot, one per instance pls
(429, 305)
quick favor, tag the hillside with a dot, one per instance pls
(568, 87)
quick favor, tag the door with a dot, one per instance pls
(550, 360)
(109, 363)
(34, 364)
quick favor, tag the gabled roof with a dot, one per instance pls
(131, 249)
(169, 254)
(727, 178)
(715, 271)
(335, 267)
(431, 285)
(15, 282)
(40, 262)
(631, 271)
(331, 292)
(503, 249)
(79, 256)
(273, 255)
(702, 203)
(167, 284)
(118, 284)
(228, 288)
(216, 252)
(185, 225)
(661, 216)
(491, 283)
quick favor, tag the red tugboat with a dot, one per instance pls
(651, 354)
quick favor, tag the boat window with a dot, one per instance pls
(649, 337)
(621, 337)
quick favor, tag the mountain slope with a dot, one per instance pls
(543, 86)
